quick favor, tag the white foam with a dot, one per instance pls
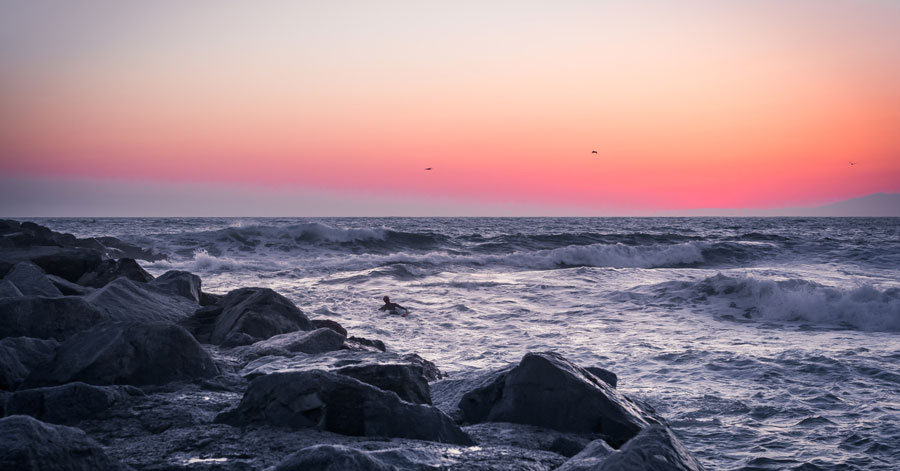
(864, 307)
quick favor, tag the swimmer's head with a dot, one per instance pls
(386, 299)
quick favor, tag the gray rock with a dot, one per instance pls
(547, 390)
(31, 445)
(605, 375)
(314, 341)
(31, 281)
(331, 458)
(109, 270)
(127, 353)
(46, 318)
(340, 404)
(656, 448)
(65, 262)
(67, 404)
(180, 283)
(67, 288)
(591, 458)
(19, 355)
(386, 371)
(529, 437)
(258, 312)
(9, 290)
(330, 324)
(363, 344)
(126, 300)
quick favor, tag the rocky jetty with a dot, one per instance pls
(105, 367)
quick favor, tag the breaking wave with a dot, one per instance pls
(792, 300)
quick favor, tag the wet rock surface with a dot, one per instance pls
(31, 445)
(158, 375)
(337, 403)
(547, 390)
(126, 353)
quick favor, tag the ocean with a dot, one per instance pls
(768, 343)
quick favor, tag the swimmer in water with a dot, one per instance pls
(393, 308)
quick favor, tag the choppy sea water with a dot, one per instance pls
(769, 343)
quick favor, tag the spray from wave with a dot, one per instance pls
(792, 300)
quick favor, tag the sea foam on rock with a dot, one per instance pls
(337, 403)
(332, 458)
(127, 353)
(547, 390)
(245, 316)
(31, 445)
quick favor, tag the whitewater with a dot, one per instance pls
(769, 343)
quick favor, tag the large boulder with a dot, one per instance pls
(31, 280)
(109, 270)
(245, 316)
(31, 445)
(591, 458)
(127, 353)
(656, 448)
(403, 376)
(313, 341)
(337, 403)
(20, 355)
(67, 404)
(547, 390)
(65, 262)
(46, 318)
(9, 290)
(67, 288)
(180, 283)
(127, 300)
(331, 458)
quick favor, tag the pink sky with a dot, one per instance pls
(689, 104)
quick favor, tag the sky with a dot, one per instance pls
(337, 107)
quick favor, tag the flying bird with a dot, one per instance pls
(852, 163)
(429, 168)
(593, 152)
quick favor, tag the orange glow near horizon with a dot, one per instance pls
(689, 104)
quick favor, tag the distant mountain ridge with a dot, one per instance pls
(874, 205)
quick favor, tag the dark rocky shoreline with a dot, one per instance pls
(103, 366)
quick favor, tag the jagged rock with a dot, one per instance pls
(31, 445)
(258, 312)
(547, 390)
(529, 437)
(9, 290)
(19, 355)
(67, 288)
(180, 283)
(126, 300)
(109, 270)
(591, 458)
(127, 353)
(656, 448)
(314, 341)
(404, 376)
(209, 299)
(329, 324)
(429, 369)
(46, 318)
(31, 281)
(331, 458)
(607, 376)
(340, 404)
(69, 403)
(65, 262)
(363, 344)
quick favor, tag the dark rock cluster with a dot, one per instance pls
(104, 367)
